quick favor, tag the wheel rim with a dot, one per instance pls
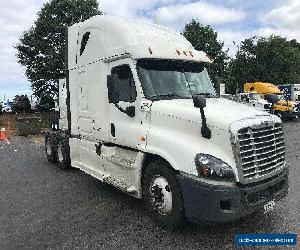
(48, 149)
(60, 154)
(279, 115)
(161, 195)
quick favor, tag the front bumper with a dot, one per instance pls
(205, 202)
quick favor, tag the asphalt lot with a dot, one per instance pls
(44, 207)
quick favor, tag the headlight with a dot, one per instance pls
(213, 168)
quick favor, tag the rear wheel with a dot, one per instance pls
(162, 195)
(63, 155)
(50, 151)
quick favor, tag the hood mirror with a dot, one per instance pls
(200, 102)
(130, 111)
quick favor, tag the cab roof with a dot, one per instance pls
(112, 37)
(262, 88)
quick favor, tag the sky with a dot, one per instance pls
(234, 20)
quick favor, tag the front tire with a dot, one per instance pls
(279, 114)
(162, 195)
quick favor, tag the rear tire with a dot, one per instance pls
(50, 151)
(162, 195)
(63, 156)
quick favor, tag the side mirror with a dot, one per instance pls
(199, 101)
(271, 98)
(113, 95)
(130, 111)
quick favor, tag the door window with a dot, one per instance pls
(124, 84)
(84, 41)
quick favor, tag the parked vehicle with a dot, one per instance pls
(5, 107)
(139, 111)
(292, 93)
(228, 96)
(254, 99)
(283, 108)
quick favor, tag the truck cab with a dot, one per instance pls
(283, 108)
(139, 111)
(254, 99)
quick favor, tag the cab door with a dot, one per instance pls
(124, 116)
(125, 126)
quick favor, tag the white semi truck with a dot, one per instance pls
(139, 111)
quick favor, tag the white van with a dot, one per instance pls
(139, 111)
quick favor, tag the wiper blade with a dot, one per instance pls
(168, 96)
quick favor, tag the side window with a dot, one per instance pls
(84, 41)
(124, 85)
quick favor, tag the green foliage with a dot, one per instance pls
(267, 59)
(205, 38)
(46, 103)
(21, 103)
(42, 48)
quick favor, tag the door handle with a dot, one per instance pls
(112, 130)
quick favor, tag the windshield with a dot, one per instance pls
(255, 96)
(168, 79)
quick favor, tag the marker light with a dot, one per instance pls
(178, 52)
(191, 54)
(150, 51)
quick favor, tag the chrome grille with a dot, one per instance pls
(261, 150)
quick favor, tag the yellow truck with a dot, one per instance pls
(283, 108)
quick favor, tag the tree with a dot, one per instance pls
(41, 49)
(267, 59)
(21, 103)
(205, 38)
(46, 103)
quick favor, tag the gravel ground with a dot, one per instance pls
(44, 207)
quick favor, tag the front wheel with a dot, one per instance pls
(279, 114)
(162, 195)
